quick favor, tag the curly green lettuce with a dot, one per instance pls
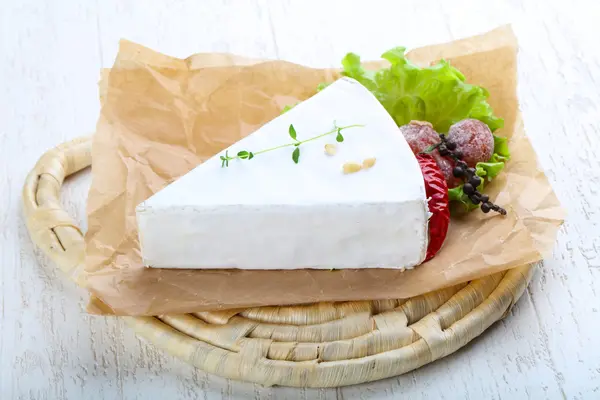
(437, 94)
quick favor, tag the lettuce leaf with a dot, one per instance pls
(287, 108)
(501, 147)
(437, 94)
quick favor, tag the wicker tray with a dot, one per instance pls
(318, 345)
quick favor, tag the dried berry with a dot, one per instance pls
(443, 150)
(485, 207)
(458, 171)
(419, 136)
(475, 181)
(474, 139)
(468, 189)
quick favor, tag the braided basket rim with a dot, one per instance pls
(317, 345)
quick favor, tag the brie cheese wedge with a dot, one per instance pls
(270, 212)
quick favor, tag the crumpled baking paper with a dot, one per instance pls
(162, 116)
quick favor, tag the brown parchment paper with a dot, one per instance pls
(162, 116)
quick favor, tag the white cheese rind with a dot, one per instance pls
(270, 213)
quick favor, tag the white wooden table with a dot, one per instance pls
(50, 56)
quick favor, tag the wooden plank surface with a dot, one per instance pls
(50, 56)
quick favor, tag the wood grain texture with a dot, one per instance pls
(50, 56)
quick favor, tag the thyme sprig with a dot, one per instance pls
(249, 155)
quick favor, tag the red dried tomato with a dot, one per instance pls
(436, 191)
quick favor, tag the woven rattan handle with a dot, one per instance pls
(49, 225)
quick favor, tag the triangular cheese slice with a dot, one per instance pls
(269, 212)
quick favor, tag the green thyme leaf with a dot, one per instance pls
(429, 149)
(296, 155)
(339, 136)
(292, 131)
